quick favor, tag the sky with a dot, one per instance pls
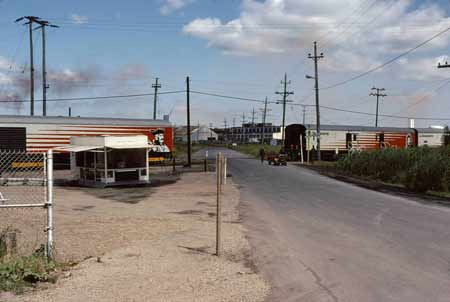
(239, 48)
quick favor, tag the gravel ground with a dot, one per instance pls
(150, 244)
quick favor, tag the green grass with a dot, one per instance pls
(180, 149)
(253, 149)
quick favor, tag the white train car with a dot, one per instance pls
(431, 137)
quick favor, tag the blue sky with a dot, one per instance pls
(238, 48)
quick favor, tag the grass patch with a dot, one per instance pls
(181, 149)
(16, 274)
(253, 149)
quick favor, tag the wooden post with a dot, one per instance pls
(219, 202)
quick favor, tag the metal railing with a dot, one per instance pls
(26, 202)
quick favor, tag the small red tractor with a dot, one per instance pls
(277, 159)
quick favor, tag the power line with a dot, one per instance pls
(387, 62)
(95, 97)
(227, 97)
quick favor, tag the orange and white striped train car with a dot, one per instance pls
(39, 134)
(336, 139)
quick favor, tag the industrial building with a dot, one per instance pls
(251, 133)
(199, 134)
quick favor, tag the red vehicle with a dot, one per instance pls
(277, 159)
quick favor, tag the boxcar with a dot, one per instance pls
(39, 134)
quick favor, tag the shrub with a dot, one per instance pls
(419, 169)
(18, 273)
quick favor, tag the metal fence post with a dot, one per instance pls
(49, 204)
(219, 202)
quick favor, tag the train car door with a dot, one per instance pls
(381, 140)
(348, 141)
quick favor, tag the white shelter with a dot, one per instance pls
(102, 161)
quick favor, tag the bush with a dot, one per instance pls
(18, 273)
(418, 169)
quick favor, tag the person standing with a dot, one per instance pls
(262, 154)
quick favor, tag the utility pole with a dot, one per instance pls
(243, 118)
(225, 124)
(304, 113)
(316, 58)
(70, 111)
(43, 24)
(285, 94)
(31, 20)
(155, 97)
(264, 114)
(188, 112)
(253, 116)
(377, 94)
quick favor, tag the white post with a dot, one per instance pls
(105, 156)
(301, 147)
(147, 165)
(49, 204)
(224, 170)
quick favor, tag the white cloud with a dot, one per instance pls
(170, 6)
(354, 41)
(422, 68)
(78, 19)
(5, 64)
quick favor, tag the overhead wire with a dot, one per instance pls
(390, 61)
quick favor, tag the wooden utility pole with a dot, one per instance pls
(31, 20)
(285, 94)
(253, 116)
(188, 113)
(377, 94)
(264, 116)
(219, 159)
(43, 24)
(316, 58)
(155, 96)
(304, 113)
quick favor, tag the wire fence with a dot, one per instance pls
(25, 203)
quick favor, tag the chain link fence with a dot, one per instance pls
(25, 203)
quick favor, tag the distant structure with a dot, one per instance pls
(250, 133)
(199, 134)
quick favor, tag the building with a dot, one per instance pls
(101, 161)
(251, 133)
(199, 134)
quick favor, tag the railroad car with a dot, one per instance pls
(39, 134)
(338, 139)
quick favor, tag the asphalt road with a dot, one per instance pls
(318, 239)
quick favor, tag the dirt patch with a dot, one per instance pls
(189, 212)
(143, 252)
